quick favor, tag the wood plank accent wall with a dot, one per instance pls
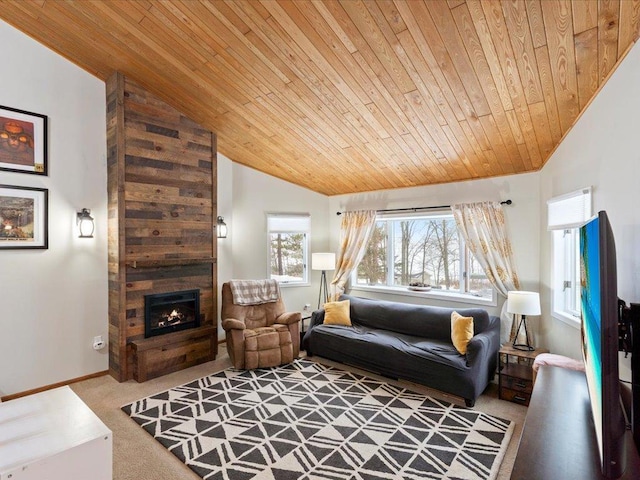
(162, 215)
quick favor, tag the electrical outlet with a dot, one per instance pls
(98, 343)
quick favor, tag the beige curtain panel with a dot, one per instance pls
(355, 231)
(483, 227)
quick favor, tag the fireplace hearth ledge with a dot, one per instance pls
(157, 356)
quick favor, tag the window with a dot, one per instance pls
(288, 241)
(565, 214)
(566, 245)
(421, 250)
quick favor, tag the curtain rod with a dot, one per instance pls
(415, 209)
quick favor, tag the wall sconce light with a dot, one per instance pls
(85, 224)
(222, 228)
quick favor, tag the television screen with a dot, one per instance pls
(599, 301)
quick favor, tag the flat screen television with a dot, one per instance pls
(599, 301)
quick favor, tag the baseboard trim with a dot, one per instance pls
(13, 396)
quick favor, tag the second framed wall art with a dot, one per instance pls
(23, 217)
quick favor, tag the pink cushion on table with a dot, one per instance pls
(557, 361)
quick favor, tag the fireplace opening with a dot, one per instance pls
(171, 312)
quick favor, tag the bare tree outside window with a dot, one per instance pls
(427, 251)
(448, 253)
(407, 245)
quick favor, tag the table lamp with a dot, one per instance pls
(523, 304)
(324, 262)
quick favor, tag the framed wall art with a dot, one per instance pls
(23, 217)
(23, 141)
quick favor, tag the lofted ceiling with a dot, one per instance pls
(356, 95)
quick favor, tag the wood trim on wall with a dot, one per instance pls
(13, 396)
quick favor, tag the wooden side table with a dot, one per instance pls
(515, 373)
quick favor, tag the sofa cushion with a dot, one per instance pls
(461, 331)
(359, 341)
(417, 320)
(337, 313)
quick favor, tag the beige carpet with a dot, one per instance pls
(137, 456)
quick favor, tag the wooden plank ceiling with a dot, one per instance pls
(350, 96)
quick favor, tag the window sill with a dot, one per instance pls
(293, 284)
(435, 294)
(568, 319)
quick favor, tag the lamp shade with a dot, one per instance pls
(523, 303)
(323, 261)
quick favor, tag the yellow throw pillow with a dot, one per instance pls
(337, 313)
(461, 331)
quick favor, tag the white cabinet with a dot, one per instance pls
(53, 435)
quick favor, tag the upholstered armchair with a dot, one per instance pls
(261, 335)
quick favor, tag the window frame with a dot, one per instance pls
(565, 301)
(565, 214)
(447, 295)
(306, 232)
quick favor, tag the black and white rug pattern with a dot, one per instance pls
(308, 421)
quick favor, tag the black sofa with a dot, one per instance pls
(410, 342)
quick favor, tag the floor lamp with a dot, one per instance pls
(324, 262)
(523, 304)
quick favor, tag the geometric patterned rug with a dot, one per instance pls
(309, 421)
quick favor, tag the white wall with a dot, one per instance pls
(256, 194)
(225, 245)
(522, 218)
(602, 150)
(54, 301)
